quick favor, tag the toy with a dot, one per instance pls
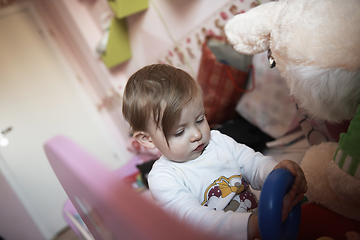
(315, 45)
(276, 185)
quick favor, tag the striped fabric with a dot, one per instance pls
(347, 163)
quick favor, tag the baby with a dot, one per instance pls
(203, 176)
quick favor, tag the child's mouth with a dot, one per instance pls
(200, 148)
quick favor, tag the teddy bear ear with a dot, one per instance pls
(250, 32)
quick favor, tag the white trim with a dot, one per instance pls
(338, 156)
(79, 227)
(80, 90)
(347, 163)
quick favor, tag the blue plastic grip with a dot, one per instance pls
(274, 189)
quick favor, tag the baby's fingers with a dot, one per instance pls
(288, 204)
(300, 181)
(297, 199)
(301, 184)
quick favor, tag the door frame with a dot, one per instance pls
(7, 172)
(4, 168)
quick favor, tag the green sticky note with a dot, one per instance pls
(118, 46)
(124, 8)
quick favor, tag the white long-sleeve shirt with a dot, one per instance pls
(218, 179)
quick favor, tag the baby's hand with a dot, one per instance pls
(298, 189)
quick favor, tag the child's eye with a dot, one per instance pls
(179, 133)
(199, 120)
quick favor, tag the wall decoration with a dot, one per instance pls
(114, 47)
(118, 45)
(186, 52)
(124, 8)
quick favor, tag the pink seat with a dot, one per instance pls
(109, 206)
(70, 209)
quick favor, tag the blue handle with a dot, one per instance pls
(275, 187)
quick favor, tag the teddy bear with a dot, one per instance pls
(315, 45)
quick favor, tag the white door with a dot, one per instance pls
(40, 98)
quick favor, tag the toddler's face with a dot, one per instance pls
(190, 136)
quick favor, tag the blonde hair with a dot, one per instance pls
(158, 91)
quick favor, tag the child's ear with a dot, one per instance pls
(144, 139)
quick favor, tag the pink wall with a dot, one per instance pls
(76, 33)
(77, 27)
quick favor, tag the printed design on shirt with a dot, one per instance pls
(229, 194)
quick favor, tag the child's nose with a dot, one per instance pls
(196, 135)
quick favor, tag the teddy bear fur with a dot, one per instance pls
(316, 47)
(317, 164)
(315, 43)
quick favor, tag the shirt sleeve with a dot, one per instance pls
(172, 195)
(255, 167)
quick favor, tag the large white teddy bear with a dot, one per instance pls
(315, 45)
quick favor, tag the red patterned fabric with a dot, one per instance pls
(220, 95)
